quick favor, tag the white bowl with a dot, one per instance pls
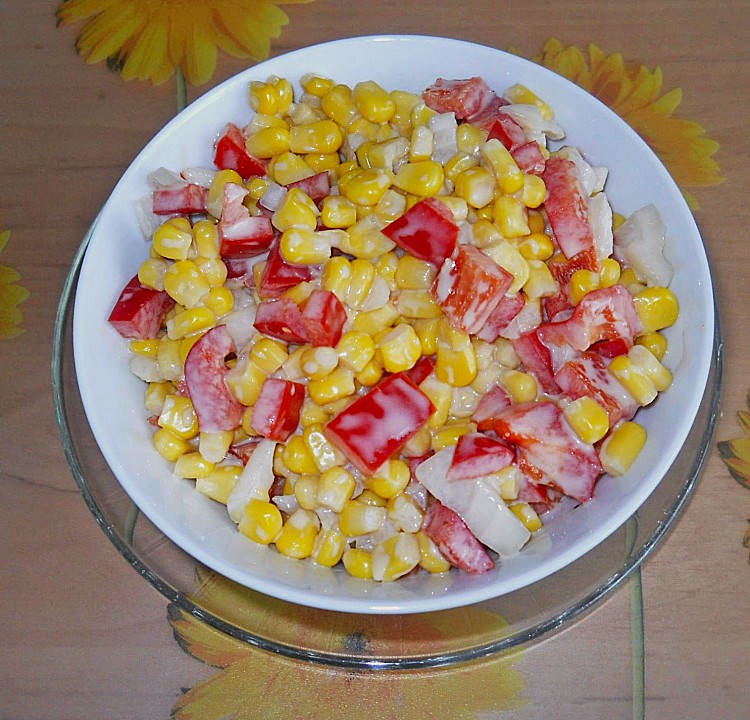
(113, 397)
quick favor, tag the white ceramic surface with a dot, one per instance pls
(113, 398)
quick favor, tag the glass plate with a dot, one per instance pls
(388, 642)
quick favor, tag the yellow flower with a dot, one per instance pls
(149, 39)
(253, 683)
(634, 92)
(736, 453)
(11, 296)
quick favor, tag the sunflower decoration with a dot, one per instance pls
(151, 39)
(11, 296)
(634, 92)
(252, 683)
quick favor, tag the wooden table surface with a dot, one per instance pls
(84, 636)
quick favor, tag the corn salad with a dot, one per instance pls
(391, 329)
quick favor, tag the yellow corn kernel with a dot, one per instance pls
(335, 386)
(168, 358)
(419, 444)
(650, 365)
(318, 362)
(213, 269)
(448, 435)
(527, 515)
(220, 483)
(541, 283)
(510, 216)
(583, 282)
(306, 491)
(206, 238)
(507, 173)
(363, 127)
(631, 281)
(390, 479)
(336, 277)
(296, 210)
(268, 354)
(657, 308)
(373, 102)
(587, 418)
(395, 557)
(151, 273)
(316, 85)
(245, 380)
(185, 284)
(288, 168)
(476, 186)
(322, 136)
(358, 563)
(147, 348)
(261, 521)
(441, 396)
(470, 138)
(178, 416)
(456, 360)
(400, 349)
(193, 466)
(418, 304)
(609, 273)
(537, 223)
(338, 212)
(364, 239)
(312, 414)
(322, 450)
(169, 445)
(483, 213)
(507, 256)
(458, 163)
(338, 105)
(521, 94)
(297, 536)
(370, 374)
(368, 187)
(269, 142)
(623, 445)
(405, 513)
(634, 379)
(215, 445)
(355, 349)
(404, 102)
(421, 114)
(427, 332)
(422, 178)
(335, 488)
(421, 144)
(534, 191)
(521, 386)
(414, 274)
(359, 518)
(372, 321)
(536, 246)
(260, 121)
(321, 162)
(257, 187)
(273, 97)
(190, 322)
(368, 497)
(391, 206)
(430, 557)
(305, 246)
(297, 457)
(360, 282)
(508, 482)
(173, 238)
(329, 546)
(654, 342)
(215, 202)
(485, 233)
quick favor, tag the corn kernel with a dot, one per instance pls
(609, 273)
(338, 212)
(414, 274)
(355, 349)
(297, 457)
(193, 465)
(190, 322)
(261, 521)
(509, 258)
(657, 308)
(335, 488)
(537, 222)
(245, 380)
(360, 283)
(306, 491)
(587, 418)
(395, 557)
(373, 102)
(336, 385)
(268, 354)
(296, 210)
(390, 479)
(455, 366)
(322, 136)
(521, 386)
(647, 363)
(527, 515)
(534, 191)
(368, 187)
(358, 518)
(213, 269)
(400, 349)
(421, 144)
(318, 362)
(391, 206)
(427, 332)
(623, 445)
(448, 435)
(654, 342)
(316, 85)
(358, 563)
(583, 282)
(370, 374)
(368, 497)
(423, 178)
(304, 246)
(168, 358)
(169, 446)
(536, 246)
(541, 283)
(147, 348)
(405, 513)
(297, 536)
(418, 304)
(329, 547)
(288, 168)
(476, 186)
(220, 483)
(215, 445)
(521, 94)
(151, 273)
(470, 138)
(155, 395)
(430, 557)
(421, 114)
(178, 416)
(206, 238)
(185, 283)
(323, 452)
(312, 414)
(507, 173)
(510, 216)
(173, 238)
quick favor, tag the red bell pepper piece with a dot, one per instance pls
(455, 541)
(139, 311)
(508, 131)
(487, 116)
(242, 235)
(478, 455)
(205, 374)
(424, 367)
(469, 287)
(503, 314)
(231, 153)
(567, 211)
(323, 318)
(316, 186)
(276, 411)
(380, 423)
(180, 200)
(549, 451)
(529, 158)
(279, 275)
(491, 404)
(426, 231)
(462, 97)
(536, 357)
(281, 319)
